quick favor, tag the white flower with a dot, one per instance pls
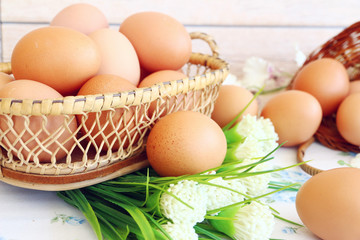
(258, 73)
(258, 184)
(180, 231)
(300, 57)
(261, 129)
(259, 138)
(239, 187)
(255, 73)
(249, 149)
(249, 126)
(355, 161)
(219, 197)
(231, 79)
(253, 221)
(189, 192)
(270, 137)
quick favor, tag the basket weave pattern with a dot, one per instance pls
(94, 131)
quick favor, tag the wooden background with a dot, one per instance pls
(242, 28)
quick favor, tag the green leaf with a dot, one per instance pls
(66, 199)
(141, 221)
(83, 205)
(157, 224)
(116, 196)
(204, 229)
(225, 222)
(137, 222)
(206, 233)
(127, 204)
(152, 203)
(109, 230)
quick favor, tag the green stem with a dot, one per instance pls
(116, 196)
(274, 90)
(288, 221)
(230, 124)
(248, 200)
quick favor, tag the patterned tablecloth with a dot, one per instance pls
(30, 214)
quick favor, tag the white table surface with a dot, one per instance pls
(32, 214)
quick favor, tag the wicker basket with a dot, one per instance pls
(77, 152)
(345, 47)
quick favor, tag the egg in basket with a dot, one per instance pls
(60, 143)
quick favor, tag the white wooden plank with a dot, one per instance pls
(236, 44)
(202, 12)
(277, 45)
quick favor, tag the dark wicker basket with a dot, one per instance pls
(344, 47)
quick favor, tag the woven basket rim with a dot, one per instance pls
(224, 64)
(6, 68)
(217, 65)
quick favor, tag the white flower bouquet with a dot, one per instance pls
(221, 203)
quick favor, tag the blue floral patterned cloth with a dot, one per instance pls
(30, 214)
(284, 202)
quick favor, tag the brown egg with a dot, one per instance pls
(348, 119)
(28, 147)
(161, 42)
(327, 80)
(354, 86)
(185, 142)
(5, 78)
(161, 76)
(117, 54)
(82, 17)
(59, 57)
(328, 204)
(175, 103)
(230, 102)
(296, 116)
(113, 128)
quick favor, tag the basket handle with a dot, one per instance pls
(208, 39)
(5, 67)
(300, 158)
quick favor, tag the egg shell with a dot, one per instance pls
(161, 42)
(82, 17)
(354, 86)
(117, 54)
(348, 119)
(59, 57)
(328, 204)
(230, 102)
(175, 103)
(296, 116)
(109, 128)
(143, 74)
(28, 89)
(327, 80)
(5, 78)
(185, 142)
